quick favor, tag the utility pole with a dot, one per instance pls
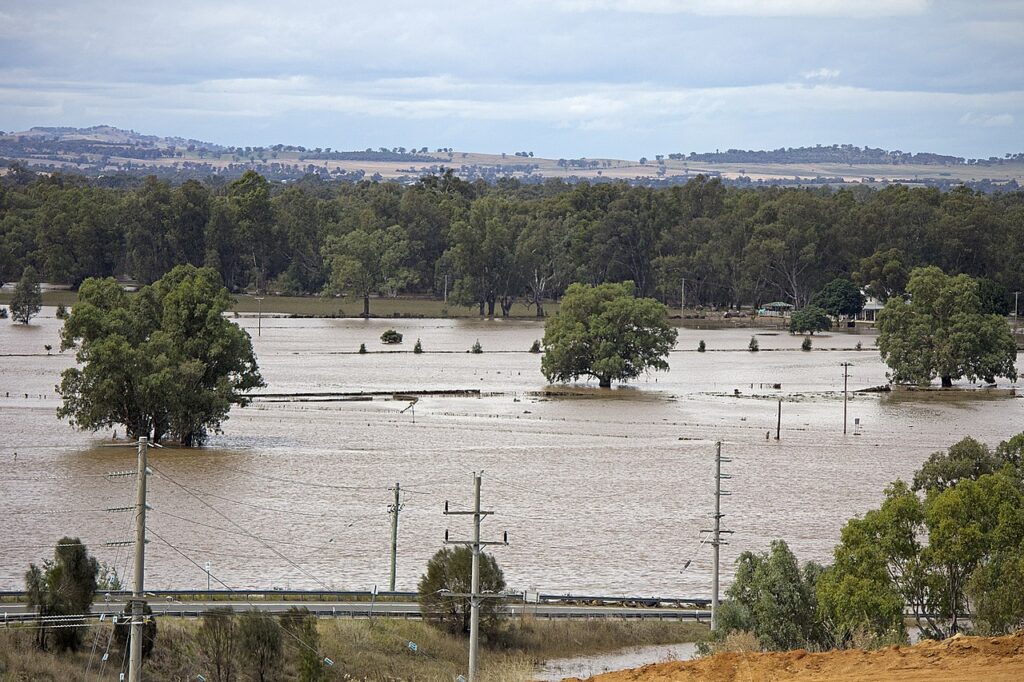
(475, 596)
(1016, 310)
(259, 315)
(138, 591)
(682, 305)
(846, 376)
(393, 509)
(716, 532)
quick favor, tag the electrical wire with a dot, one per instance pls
(239, 527)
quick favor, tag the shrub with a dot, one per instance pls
(362, 348)
(806, 345)
(450, 570)
(859, 346)
(123, 629)
(217, 641)
(701, 347)
(753, 346)
(391, 336)
(259, 637)
(3, 313)
(62, 312)
(304, 642)
(477, 348)
(418, 348)
(535, 348)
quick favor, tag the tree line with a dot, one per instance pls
(495, 245)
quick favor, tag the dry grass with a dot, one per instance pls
(360, 649)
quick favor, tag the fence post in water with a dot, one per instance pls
(778, 423)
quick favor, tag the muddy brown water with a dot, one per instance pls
(600, 491)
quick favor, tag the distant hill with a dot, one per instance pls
(120, 155)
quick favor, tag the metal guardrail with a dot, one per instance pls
(339, 595)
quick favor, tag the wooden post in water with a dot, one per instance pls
(778, 423)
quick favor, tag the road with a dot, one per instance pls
(364, 609)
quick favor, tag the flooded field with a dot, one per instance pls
(600, 492)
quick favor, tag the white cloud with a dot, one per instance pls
(755, 8)
(821, 74)
(983, 120)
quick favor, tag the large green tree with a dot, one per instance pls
(164, 362)
(366, 262)
(810, 318)
(27, 299)
(606, 333)
(941, 330)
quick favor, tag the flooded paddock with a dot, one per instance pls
(601, 492)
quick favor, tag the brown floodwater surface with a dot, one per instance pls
(600, 491)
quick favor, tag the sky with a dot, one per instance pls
(561, 78)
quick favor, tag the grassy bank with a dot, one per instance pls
(359, 648)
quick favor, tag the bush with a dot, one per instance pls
(535, 348)
(859, 346)
(418, 348)
(123, 629)
(304, 641)
(806, 345)
(701, 347)
(62, 312)
(362, 348)
(217, 641)
(3, 313)
(259, 637)
(753, 346)
(451, 570)
(477, 348)
(811, 319)
(391, 336)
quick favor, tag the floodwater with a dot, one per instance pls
(585, 667)
(600, 492)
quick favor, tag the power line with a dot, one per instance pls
(239, 527)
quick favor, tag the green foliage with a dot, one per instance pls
(64, 586)
(806, 345)
(535, 346)
(942, 331)
(3, 313)
(606, 333)
(303, 639)
(61, 312)
(122, 630)
(217, 639)
(259, 637)
(859, 346)
(995, 299)
(477, 348)
(450, 570)
(28, 299)
(753, 346)
(418, 348)
(839, 297)
(390, 336)
(883, 274)
(163, 362)
(369, 260)
(362, 349)
(811, 319)
(701, 347)
(967, 459)
(773, 598)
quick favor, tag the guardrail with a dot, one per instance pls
(361, 595)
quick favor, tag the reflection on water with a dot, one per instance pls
(597, 494)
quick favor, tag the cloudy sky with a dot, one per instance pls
(621, 78)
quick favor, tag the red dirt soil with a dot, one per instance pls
(966, 659)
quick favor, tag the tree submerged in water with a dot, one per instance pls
(163, 363)
(606, 333)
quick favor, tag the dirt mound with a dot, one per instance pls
(993, 659)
